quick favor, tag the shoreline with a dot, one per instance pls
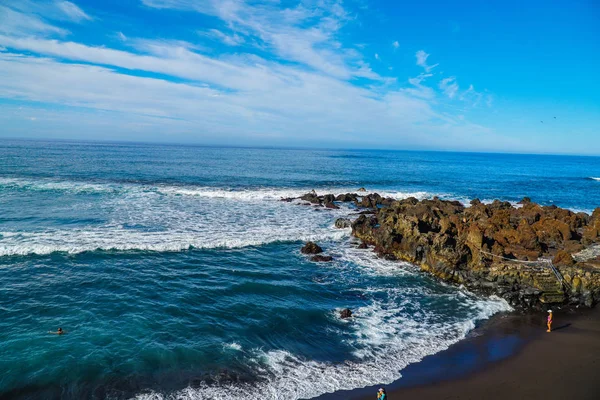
(509, 355)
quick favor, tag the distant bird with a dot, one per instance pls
(542, 122)
(554, 117)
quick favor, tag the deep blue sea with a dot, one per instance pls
(176, 270)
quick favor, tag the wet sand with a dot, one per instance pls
(509, 357)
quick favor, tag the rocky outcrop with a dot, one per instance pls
(342, 223)
(492, 248)
(346, 313)
(311, 248)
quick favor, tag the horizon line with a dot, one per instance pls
(278, 147)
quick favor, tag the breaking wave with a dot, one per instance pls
(386, 338)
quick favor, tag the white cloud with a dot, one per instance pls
(449, 86)
(294, 104)
(472, 97)
(303, 34)
(72, 11)
(13, 22)
(422, 61)
(231, 40)
(395, 44)
(305, 89)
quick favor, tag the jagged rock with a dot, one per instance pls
(320, 258)
(342, 223)
(331, 206)
(346, 313)
(563, 258)
(347, 197)
(288, 199)
(362, 189)
(311, 198)
(363, 245)
(311, 248)
(474, 245)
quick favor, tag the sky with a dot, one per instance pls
(500, 76)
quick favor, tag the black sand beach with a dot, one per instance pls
(510, 356)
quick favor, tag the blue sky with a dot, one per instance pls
(509, 76)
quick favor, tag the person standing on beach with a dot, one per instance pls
(549, 321)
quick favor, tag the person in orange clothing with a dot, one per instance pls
(549, 321)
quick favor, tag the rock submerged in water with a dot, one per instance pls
(311, 248)
(331, 206)
(345, 313)
(490, 247)
(320, 258)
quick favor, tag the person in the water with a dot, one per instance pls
(58, 332)
(549, 321)
(381, 394)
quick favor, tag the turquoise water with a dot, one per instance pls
(176, 270)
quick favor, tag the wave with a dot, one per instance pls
(80, 240)
(386, 339)
(43, 185)
(247, 194)
(594, 179)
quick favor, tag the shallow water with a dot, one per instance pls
(176, 271)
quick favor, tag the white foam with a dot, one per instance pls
(595, 179)
(233, 346)
(52, 185)
(254, 194)
(78, 240)
(386, 340)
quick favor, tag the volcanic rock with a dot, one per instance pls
(320, 258)
(342, 223)
(348, 197)
(311, 248)
(491, 248)
(346, 313)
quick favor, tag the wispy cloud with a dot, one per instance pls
(18, 23)
(422, 57)
(395, 44)
(449, 86)
(232, 39)
(299, 33)
(289, 76)
(72, 11)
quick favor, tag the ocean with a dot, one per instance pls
(177, 274)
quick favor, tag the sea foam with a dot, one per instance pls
(386, 339)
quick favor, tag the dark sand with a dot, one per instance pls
(509, 357)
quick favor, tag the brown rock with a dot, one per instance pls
(346, 313)
(320, 258)
(481, 246)
(311, 248)
(563, 258)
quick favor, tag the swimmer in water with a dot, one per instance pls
(58, 332)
